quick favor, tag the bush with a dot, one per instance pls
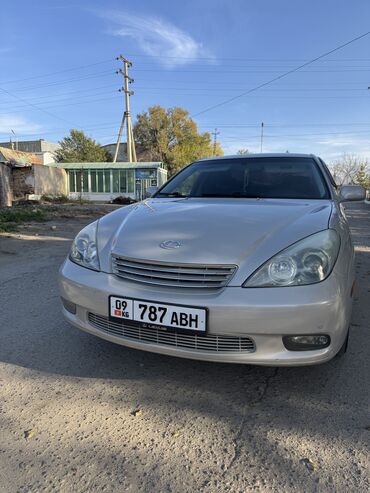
(57, 199)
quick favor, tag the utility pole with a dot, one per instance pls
(262, 126)
(131, 151)
(215, 133)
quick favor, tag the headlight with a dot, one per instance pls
(308, 261)
(84, 250)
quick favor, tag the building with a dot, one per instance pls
(141, 154)
(107, 181)
(22, 176)
(122, 152)
(42, 148)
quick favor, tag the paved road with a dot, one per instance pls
(67, 400)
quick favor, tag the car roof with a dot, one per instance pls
(260, 155)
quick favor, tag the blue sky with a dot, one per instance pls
(58, 61)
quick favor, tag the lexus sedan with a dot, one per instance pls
(239, 259)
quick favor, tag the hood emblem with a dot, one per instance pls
(169, 244)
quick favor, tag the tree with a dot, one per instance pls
(363, 177)
(171, 136)
(79, 148)
(345, 169)
(243, 151)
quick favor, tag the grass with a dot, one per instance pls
(10, 218)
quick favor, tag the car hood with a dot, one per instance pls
(242, 232)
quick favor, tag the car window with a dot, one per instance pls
(275, 177)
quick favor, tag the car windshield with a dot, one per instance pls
(264, 177)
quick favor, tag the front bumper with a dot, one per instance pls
(262, 314)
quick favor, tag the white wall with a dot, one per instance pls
(98, 197)
(47, 157)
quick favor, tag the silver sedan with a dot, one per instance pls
(239, 259)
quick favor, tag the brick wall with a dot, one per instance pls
(23, 182)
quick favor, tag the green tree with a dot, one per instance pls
(79, 148)
(362, 176)
(171, 136)
(243, 151)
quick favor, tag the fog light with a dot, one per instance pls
(69, 306)
(306, 343)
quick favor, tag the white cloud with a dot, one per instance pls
(19, 124)
(157, 37)
(335, 143)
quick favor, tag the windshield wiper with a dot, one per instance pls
(172, 194)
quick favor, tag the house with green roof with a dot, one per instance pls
(106, 181)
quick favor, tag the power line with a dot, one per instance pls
(230, 126)
(278, 136)
(54, 101)
(62, 94)
(281, 76)
(103, 73)
(215, 59)
(58, 72)
(90, 92)
(34, 106)
(222, 71)
(283, 125)
(20, 108)
(23, 107)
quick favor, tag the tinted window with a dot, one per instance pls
(279, 177)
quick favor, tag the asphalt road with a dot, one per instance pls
(80, 414)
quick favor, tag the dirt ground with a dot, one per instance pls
(79, 414)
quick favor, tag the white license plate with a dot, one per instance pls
(163, 315)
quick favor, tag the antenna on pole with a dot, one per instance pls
(16, 140)
(215, 133)
(262, 126)
(131, 151)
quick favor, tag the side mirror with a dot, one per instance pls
(149, 191)
(349, 193)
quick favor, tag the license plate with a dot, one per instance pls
(151, 314)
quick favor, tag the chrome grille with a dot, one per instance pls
(207, 343)
(173, 275)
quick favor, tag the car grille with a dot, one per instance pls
(173, 275)
(207, 343)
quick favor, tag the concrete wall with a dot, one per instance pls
(6, 194)
(49, 180)
(99, 197)
(47, 157)
(40, 145)
(38, 180)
